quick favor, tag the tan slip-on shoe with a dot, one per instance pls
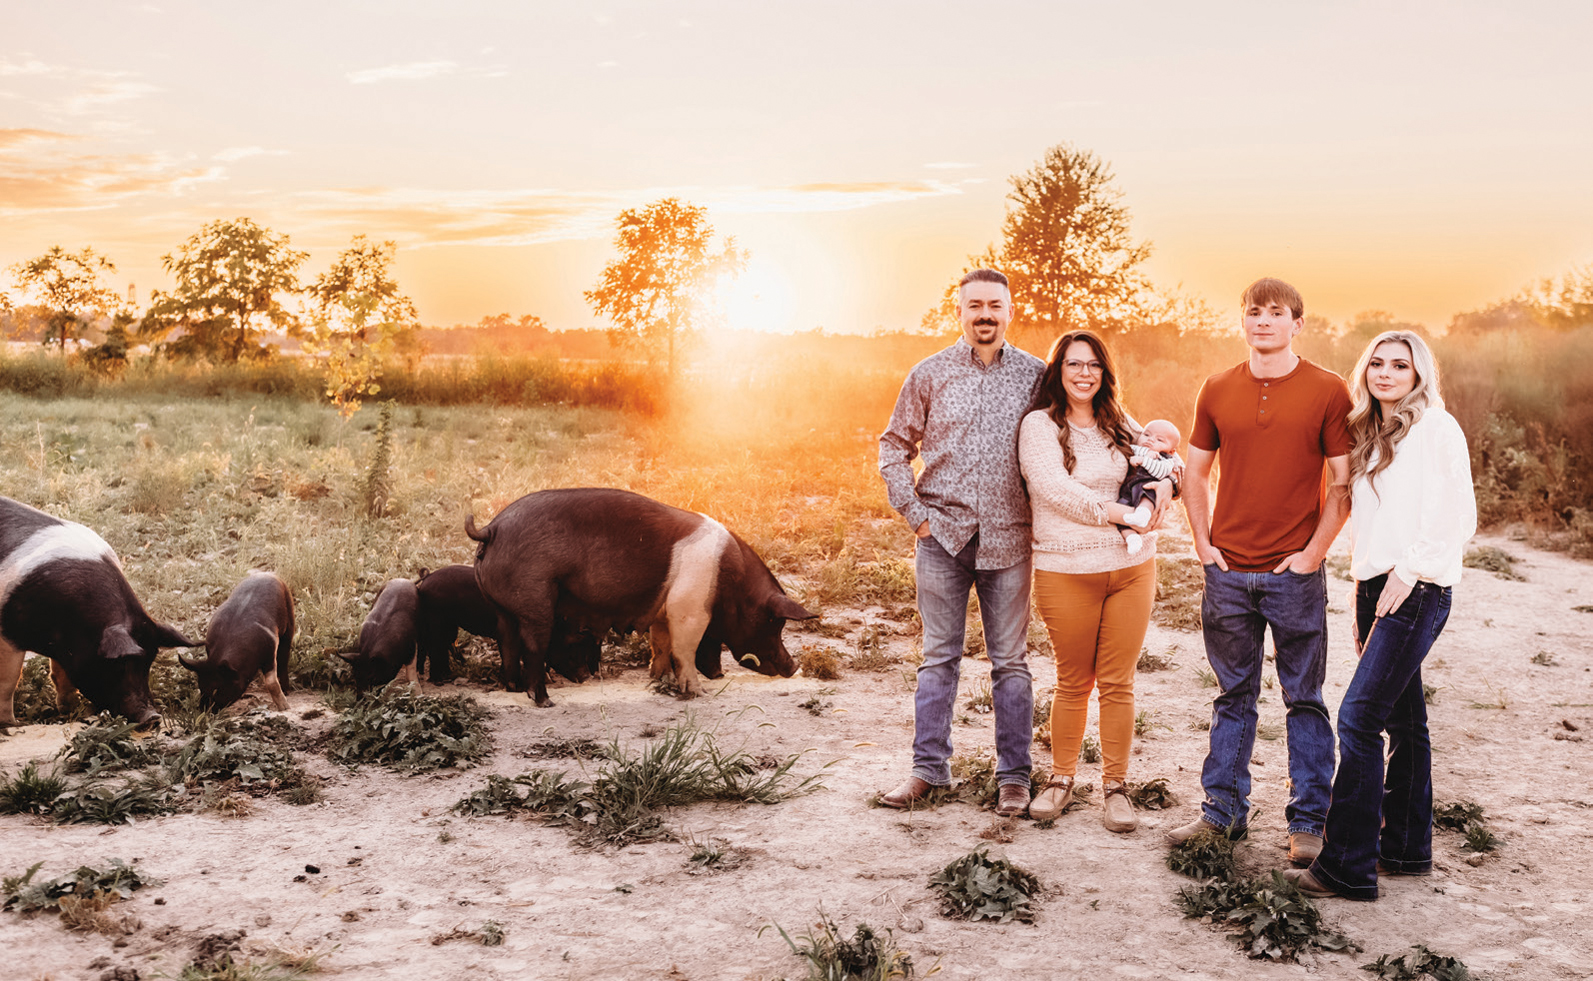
(1119, 816)
(1050, 802)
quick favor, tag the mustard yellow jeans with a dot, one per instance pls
(1097, 624)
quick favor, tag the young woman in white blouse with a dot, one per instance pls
(1413, 510)
(1094, 597)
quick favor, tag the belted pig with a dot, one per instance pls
(387, 639)
(250, 636)
(63, 595)
(602, 558)
(451, 601)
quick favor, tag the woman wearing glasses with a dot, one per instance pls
(1094, 597)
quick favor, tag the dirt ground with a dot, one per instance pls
(397, 869)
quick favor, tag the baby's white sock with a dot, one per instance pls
(1135, 542)
(1139, 517)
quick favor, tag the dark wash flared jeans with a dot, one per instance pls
(1376, 815)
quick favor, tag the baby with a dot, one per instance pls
(1155, 458)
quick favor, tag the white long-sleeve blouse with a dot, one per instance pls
(1416, 517)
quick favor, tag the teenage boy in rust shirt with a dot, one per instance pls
(1274, 420)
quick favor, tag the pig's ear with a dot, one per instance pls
(161, 635)
(117, 641)
(351, 654)
(784, 606)
(195, 664)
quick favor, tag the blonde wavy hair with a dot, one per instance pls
(1373, 438)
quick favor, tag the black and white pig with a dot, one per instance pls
(451, 601)
(63, 595)
(250, 636)
(599, 558)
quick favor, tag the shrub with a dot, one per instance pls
(979, 887)
(1152, 795)
(1495, 560)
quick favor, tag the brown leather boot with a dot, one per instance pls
(909, 793)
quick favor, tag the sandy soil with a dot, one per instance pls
(389, 882)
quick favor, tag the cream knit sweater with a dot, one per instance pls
(1071, 533)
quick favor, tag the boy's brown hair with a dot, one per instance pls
(1264, 292)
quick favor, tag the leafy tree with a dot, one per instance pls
(68, 284)
(230, 277)
(655, 290)
(360, 317)
(1066, 250)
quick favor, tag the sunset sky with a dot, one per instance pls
(1421, 158)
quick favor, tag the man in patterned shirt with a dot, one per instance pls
(959, 409)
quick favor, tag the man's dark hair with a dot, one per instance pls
(983, 276)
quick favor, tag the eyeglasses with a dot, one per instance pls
(1093, 367)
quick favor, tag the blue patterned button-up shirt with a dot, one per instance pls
(962, 417)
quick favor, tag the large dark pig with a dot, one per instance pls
(250, 636)
(63, 595)
(451, 601)
(387, 640)
(602, 558)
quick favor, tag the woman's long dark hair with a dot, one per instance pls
(1110, 418)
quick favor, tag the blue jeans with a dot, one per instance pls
(943, 583)
(1236, 610)
(1384, 695)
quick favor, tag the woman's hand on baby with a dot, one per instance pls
(1164, 500)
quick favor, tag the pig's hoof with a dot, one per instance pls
(544, 702)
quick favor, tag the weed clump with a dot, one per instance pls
(1269, 917)
(869, 653)
(1090, 750)
(100, 803)
(1152, 795)
(823, 663)
(1417, 963)
(117, 879)
(623, 802)
(30, 792)
(1493, 559)
(1156, 662)
(1466, 817)
(1207, 855)
(979, 887)
(407, 731)
(868, 956)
